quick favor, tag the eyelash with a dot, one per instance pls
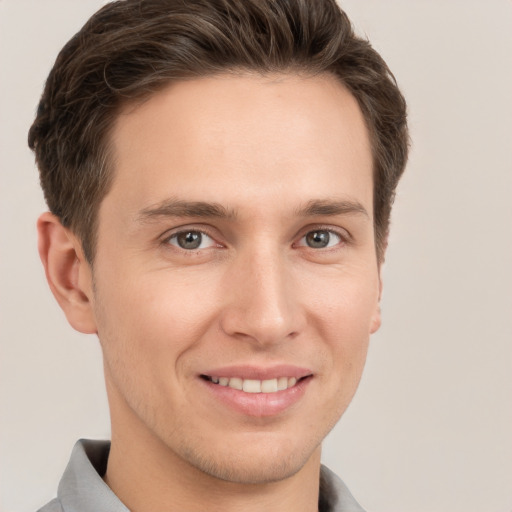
(343, 238)
(342, 235)
(167, 240)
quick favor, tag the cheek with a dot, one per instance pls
(347, 304)
(151, 322)
(344, 318)
(347, 346)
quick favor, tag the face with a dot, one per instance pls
(235, 281)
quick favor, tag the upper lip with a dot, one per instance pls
(259, 372)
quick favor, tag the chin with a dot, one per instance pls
(259, 465)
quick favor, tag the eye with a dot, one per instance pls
(320, 239)
(191, 240)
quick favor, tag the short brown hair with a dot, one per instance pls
(131, 48)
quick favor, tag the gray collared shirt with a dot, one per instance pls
(82, 488)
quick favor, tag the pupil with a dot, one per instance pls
(318, 239)
(190, 240)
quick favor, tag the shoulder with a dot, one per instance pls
(334, 494)
(53, 506)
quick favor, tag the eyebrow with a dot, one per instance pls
(331, 207)
(202, 209)
(177, 208)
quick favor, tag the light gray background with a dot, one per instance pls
(430, 428)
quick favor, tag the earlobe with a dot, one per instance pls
(67, 272)
(376, 320)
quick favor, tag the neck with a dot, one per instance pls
(147, 476)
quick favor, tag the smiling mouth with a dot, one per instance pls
(254, 385)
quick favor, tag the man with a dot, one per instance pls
(220, 177)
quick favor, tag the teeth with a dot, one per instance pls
(236, 383)
(269, 386)
(251, 386)
(282, 383)
(256, 386)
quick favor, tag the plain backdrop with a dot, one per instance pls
(430, 429)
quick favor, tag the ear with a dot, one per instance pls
(376, 320)
(67, 272)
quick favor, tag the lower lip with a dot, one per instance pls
(258, 404)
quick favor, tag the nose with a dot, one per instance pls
(261, 304)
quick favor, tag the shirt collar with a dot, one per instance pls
(82, 488)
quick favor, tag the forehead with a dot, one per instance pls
(262, 135)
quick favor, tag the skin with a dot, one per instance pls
(262, 149)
